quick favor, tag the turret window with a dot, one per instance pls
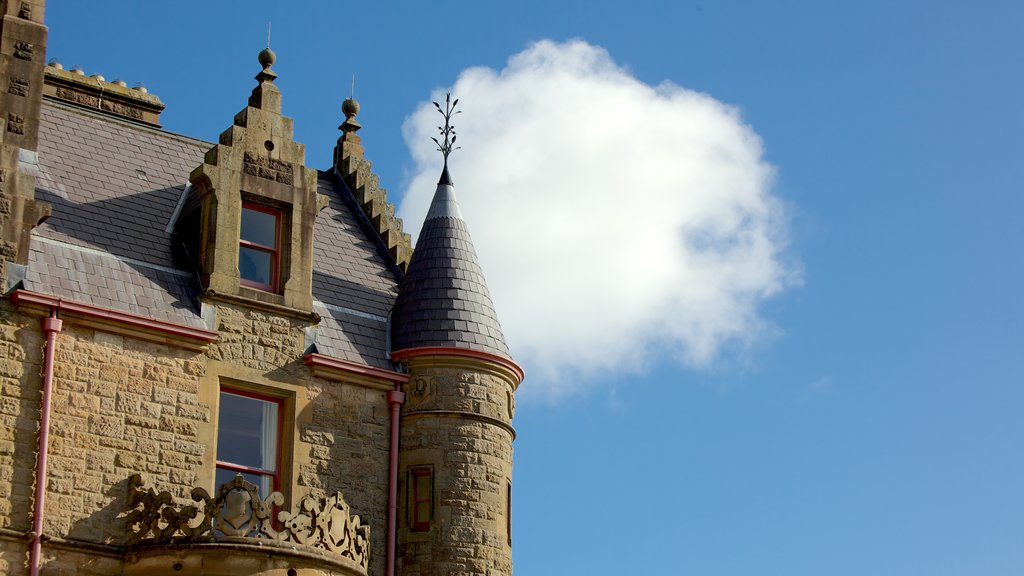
(421, 480)
(259, 251)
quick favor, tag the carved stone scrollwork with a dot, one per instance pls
(239, 512)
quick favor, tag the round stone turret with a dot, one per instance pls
(455, 461)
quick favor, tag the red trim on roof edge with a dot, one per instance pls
(320, 360)
(21, 297)
(462, 352)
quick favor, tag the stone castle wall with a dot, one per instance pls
(122, 405)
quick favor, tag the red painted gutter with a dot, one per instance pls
(322, 361)
(70, 307)
(51, 326)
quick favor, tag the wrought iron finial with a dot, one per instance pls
(448, 130)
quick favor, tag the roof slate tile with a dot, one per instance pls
(114, 186)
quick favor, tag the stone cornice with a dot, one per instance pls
(462, 357)
(464, 414)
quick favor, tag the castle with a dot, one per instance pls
(218, 360)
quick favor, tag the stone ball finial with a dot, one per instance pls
(350, 107)
(267, 58)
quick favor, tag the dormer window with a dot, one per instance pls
(246, 226)
(259, 250)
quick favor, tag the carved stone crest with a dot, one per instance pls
(239, 512)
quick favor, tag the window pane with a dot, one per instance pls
(259, 227)
(422, 487)
(254, 265)
(422, 516)
(265, 483)
(247, 431)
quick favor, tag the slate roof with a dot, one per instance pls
(443, 299)
(114, 186)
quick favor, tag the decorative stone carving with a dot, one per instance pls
(267, 168)
(96, 102)
(18, 86)
(23, 50)
(422, 388)
(15, 123)
(238, 512)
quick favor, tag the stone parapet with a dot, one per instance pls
(95, 92)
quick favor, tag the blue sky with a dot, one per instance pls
(865, 418)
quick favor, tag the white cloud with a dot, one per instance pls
(615, 221)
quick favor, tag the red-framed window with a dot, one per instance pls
(249, 429)
(421, 482)
(259, 247)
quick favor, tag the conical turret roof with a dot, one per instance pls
(443, 300)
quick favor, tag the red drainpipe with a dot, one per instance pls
(395, 400)
(51, 326)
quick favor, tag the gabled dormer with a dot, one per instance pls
(247, 226)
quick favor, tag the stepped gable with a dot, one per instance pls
(115, 186)
(357, 173)
(443, 300)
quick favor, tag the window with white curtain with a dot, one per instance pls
(248, 439)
